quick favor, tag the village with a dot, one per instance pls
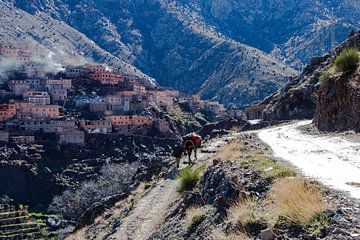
(83, 100)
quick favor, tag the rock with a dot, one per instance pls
(267, 234)
(329, 213)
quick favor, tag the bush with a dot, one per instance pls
(324, 78)
(189, 178)
(347, 60)
(297, 201)
(113, 179)
(247, 216)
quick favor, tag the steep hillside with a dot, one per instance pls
(297, 100)
(294, 31)
(41, 31)
(338, 105)
(172, 43)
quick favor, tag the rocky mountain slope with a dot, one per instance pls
(45, 33)
(338, 104)
(169, 41)
(302, 29)
(297, 100)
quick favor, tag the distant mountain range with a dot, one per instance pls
(234, 51)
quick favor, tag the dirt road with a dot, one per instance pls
(332, 160)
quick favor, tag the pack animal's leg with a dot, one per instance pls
(195, 152)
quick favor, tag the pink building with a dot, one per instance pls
(7, 111)
(8, 49)
(95, 68)
(50, 83)
(106, 77)
(39, 111)
(134, 120)
(97, 126)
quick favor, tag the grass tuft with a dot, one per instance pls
(268, 167)
(195, 215)
(297, 201)
(347, 60)
(247, 215)
(189, 177)
(324, 78)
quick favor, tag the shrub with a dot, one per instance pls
(247, 216)
(324, 78)
(297, 201)
(189, 177)
(347, 60)
(195, 215)
(113, 179)
(147, 186)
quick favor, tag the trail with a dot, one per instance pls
(331, 160)
(150, 211)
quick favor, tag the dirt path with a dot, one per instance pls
(330, 159)
(149, 212)
(145, 210)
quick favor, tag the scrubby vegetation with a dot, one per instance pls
(347, 60)
(247, 215)
(195, 215)
(297, 200)
(189, 177)
(268, 167)
(324, 78)
(71, 204)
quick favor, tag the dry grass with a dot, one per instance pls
(249, 214)
(189, 177)
(243, 212)
(232, 151)
(218, 234)
(195, 215)
(297, 200)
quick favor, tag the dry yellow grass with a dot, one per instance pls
(195, 215)
(232, 151)
(218, 234)
(243, 212)
(296, 200)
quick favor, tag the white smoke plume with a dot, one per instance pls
(49, 61)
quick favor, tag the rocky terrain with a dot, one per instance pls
(237, 171)
(297, 100)
(338, 104)
(303, 29)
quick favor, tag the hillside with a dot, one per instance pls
(303, 29)
(297, 100)
(169, 42)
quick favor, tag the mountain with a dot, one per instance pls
(291, 30)
(168, 41)
(298, 98)
(228, 50)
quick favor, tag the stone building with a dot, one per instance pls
(7, 111)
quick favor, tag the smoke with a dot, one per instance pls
(41, 60)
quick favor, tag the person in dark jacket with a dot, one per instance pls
(177, 153)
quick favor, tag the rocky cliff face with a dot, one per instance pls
(297, 100)
(338, 106)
